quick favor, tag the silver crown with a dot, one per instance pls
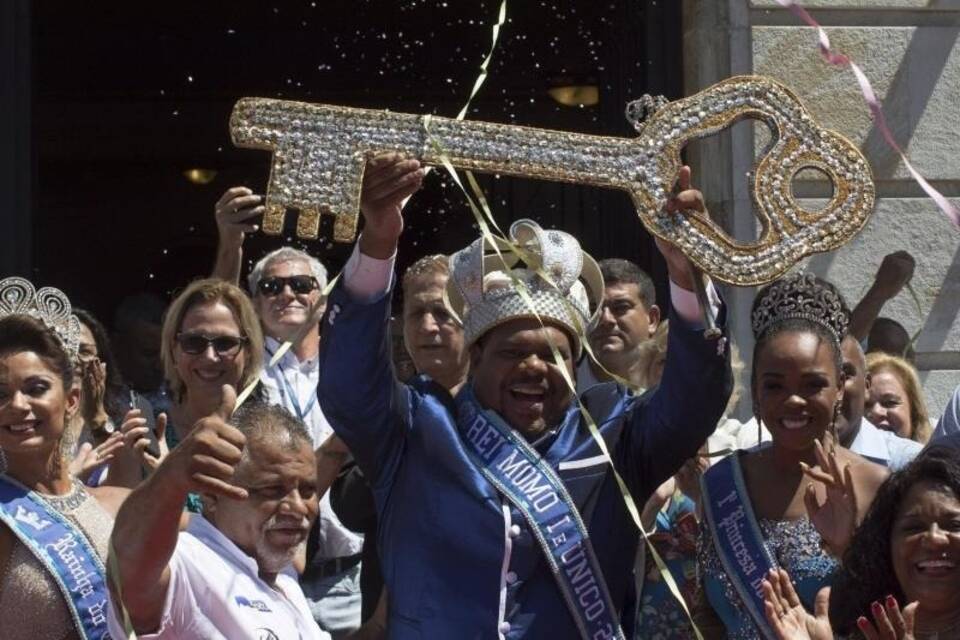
(18, 297)
(562, 282)
(800, 296)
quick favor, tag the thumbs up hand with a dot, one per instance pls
(205, 461)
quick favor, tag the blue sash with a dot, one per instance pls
(64, 551)
(737, 537)
(530, 484)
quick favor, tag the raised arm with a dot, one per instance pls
(147, 527)
(236, 212)
(670, 424)
(357, 389)
(896, 270)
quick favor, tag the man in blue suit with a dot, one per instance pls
(500, 514)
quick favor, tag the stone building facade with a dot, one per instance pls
(909, 49)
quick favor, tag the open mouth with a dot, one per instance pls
(293, 308)
(22, 428)
(529, 397)
(793, 424)
(936, 568)
(208, 375)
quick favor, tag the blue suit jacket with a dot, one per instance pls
(445, 532)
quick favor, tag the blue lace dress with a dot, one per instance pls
(796, 546)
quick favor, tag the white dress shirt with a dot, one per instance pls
(293, 385)
(215, 593)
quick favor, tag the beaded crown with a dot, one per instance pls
(483, 294)
(48, 305)
(800, 296)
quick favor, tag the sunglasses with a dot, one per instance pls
(195, 344)
(298, 284)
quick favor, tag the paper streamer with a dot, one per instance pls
(841, 60)
(483, 214)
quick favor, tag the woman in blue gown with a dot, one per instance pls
(761, 510)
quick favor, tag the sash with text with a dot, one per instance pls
(531, 485)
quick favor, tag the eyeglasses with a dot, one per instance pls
(298, 284)
(195, 344)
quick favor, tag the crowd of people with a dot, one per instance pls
(300, 460)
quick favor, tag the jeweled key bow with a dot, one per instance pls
(319, 153)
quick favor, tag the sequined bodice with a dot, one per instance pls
(31, 604)
(795, 544)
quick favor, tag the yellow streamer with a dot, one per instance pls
(558, 358)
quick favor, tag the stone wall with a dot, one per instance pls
(909, 49)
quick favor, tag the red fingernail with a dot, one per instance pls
(891, 602)
(876, 608)
(862, 622)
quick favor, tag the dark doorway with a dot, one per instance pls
(128, 96)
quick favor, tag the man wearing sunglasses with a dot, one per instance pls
(287, 290)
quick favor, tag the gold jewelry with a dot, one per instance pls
(320, 151)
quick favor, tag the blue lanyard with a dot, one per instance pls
(286, 389)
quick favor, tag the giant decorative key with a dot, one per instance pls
(319, 153)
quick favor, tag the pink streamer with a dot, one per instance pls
(840, 60)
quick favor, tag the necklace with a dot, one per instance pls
(69, 501)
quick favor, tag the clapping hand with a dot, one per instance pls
(836, 518)
(94, 377)
(89, 457)
(889, 622)
(785, 612)
(205, 461)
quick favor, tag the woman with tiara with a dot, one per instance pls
(54, 532)
(760, 511)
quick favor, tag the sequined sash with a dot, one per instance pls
(530, 484)
(736, 536)
(65, 553)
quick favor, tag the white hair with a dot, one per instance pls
(286, 254)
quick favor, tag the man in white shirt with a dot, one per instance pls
(857, 433)
(284, 285)
(222, 574)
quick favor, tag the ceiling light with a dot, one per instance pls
(576, 95)
(200, 176)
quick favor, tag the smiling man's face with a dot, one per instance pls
(515, 374)
(285, 312)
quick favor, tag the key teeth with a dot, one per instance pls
(308, 223)
(273, 218)
(345, 227)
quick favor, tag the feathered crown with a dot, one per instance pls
(48, 305)
(483, 295)
(800, 296)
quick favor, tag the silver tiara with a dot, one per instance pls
(800, 296)
(50, 306)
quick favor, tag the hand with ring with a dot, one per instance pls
(785, 612)
(88, 457)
